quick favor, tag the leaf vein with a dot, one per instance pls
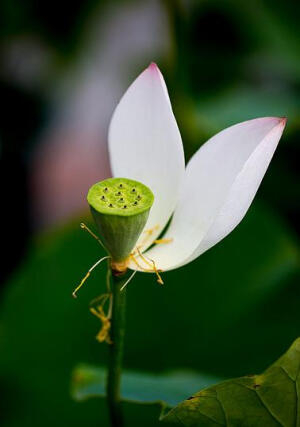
(296, 389)
(286, 372)
(268, 409)
(178, 419)
(262, 403)
(297, 395)
(211, 419)
(222, 407)
(205, 416)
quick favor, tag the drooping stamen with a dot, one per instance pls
(150, 263)
(103, 334)
(81, 283)
(156, 271)
(137, 264)
(98, 311)
(142, 257)
(128, 280)
(85, 227)
(159, 279)
(103, 298)
(87, 275)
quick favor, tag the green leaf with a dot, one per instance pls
(167, 389)
(266, 400)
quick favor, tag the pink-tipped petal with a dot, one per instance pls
(153, 67)
(145, 145)
(220, 183)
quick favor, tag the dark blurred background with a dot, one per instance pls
(63, 68)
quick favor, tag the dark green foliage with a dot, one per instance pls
(267, 400)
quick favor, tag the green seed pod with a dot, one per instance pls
(120, 208)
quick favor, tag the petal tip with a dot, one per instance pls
(282, 121)
(279, 120)
(153, 67)
(275, 121)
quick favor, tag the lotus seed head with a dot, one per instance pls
(120, 208)
(105, 198)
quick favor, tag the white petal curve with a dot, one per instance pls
(145, 145)
(221, 181)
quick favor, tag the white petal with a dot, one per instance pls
(145, 145)
(220, 183)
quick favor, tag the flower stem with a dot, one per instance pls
(116, 351)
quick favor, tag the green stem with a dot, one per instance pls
(117, 333)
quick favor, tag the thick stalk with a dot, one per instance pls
(117, 333)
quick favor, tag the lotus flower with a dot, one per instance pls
(206, 199)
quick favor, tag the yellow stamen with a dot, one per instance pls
(153, 268)
(129, 280)
(147, 270)
(148, 234)
(98, 311)
(81, 283)
(103, 298)
(159, 279)
(163, 241)
(103, 334)
(87, 275)
(143, 258)
(85, 227)
(151, 230)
